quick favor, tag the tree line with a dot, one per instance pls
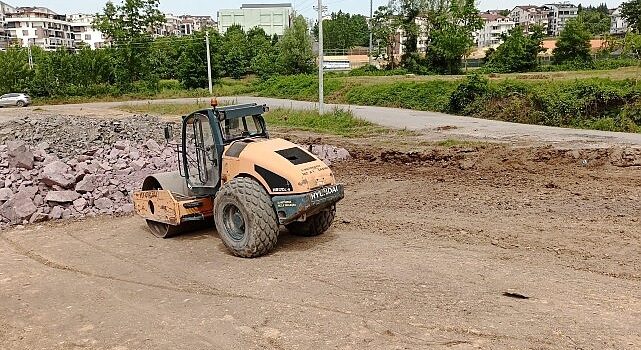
(446, 30)
(135, 61)
(438, 35)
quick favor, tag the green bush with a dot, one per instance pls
(590, 103)
(369, 70)
(169, 84)
(297, 87)
(425, 96)
(473, 87)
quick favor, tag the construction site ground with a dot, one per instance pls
(473, 246)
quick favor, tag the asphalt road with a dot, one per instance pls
(433, 125)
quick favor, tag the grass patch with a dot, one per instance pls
(225, 87)
(165, 109)
(450, 143)
(336, 122)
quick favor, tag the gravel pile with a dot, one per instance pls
(63, 168)
(36, 185)
(66, 135)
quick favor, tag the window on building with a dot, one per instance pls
(25, 33)
(87, 36)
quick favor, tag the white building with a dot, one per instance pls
(4, 34)
(170, 27)
(528, 16)
(39, 26)
(273, 18)
(618, 24)
(83, 31)
(495, 25)
(558, 15)
(190, 24)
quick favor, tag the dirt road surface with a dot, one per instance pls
(510, 254)
(433, 126)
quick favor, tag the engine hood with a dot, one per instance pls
(281, 166)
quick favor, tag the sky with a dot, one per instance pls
(210, 7)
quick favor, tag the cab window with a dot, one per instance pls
(238, 128)
(200, 152)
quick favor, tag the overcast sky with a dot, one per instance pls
(210, 7)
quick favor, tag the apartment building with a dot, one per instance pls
(39, 26)
(495, 25)
(273, 18)
(84, 33)
(558, 15)
(171, 27)
(190, 24)
(528, 16)
(4, 35)
(618, 24)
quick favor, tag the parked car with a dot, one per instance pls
(15, 99)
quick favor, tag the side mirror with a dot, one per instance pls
(169, 132)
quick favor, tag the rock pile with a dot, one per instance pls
(62, 172)
(37, 185)
(65, 135)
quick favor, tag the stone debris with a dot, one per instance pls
(63, 168)
(61, 196)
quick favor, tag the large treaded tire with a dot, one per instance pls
(314, 225)
(260, 223)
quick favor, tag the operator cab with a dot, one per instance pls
(206, 133)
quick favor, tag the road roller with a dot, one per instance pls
(233, 176)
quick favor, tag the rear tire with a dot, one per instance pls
(20, 104)
(314, 225)
(245, 218)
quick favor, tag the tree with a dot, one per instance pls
(451, 36)
(344, 31)
(573, 45)
(518, 52)
(14, 69)
(595, 20)
(164, 53)
(235, 52)
(263, 57)
(384, 24)
(127, 26)
(192, 63)
(633, 47)
(295, 48)
(631, 11)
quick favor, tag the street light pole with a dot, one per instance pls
(211, 88)
(371, 33)
(321, 58)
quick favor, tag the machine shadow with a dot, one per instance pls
(287, 242)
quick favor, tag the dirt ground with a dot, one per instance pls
(519, 249)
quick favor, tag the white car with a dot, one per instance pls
(15, 99)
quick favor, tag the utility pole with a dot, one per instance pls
(321, 58)
(29, 52)
(371, 33)
(211, 88)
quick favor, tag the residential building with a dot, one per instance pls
(4, 34)
(558, 15)
(618, 24)
(190, 24)
(495, 25)
(273, 18)
(39, 26)
(528, 16)
(83, 31)
(170, 27)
